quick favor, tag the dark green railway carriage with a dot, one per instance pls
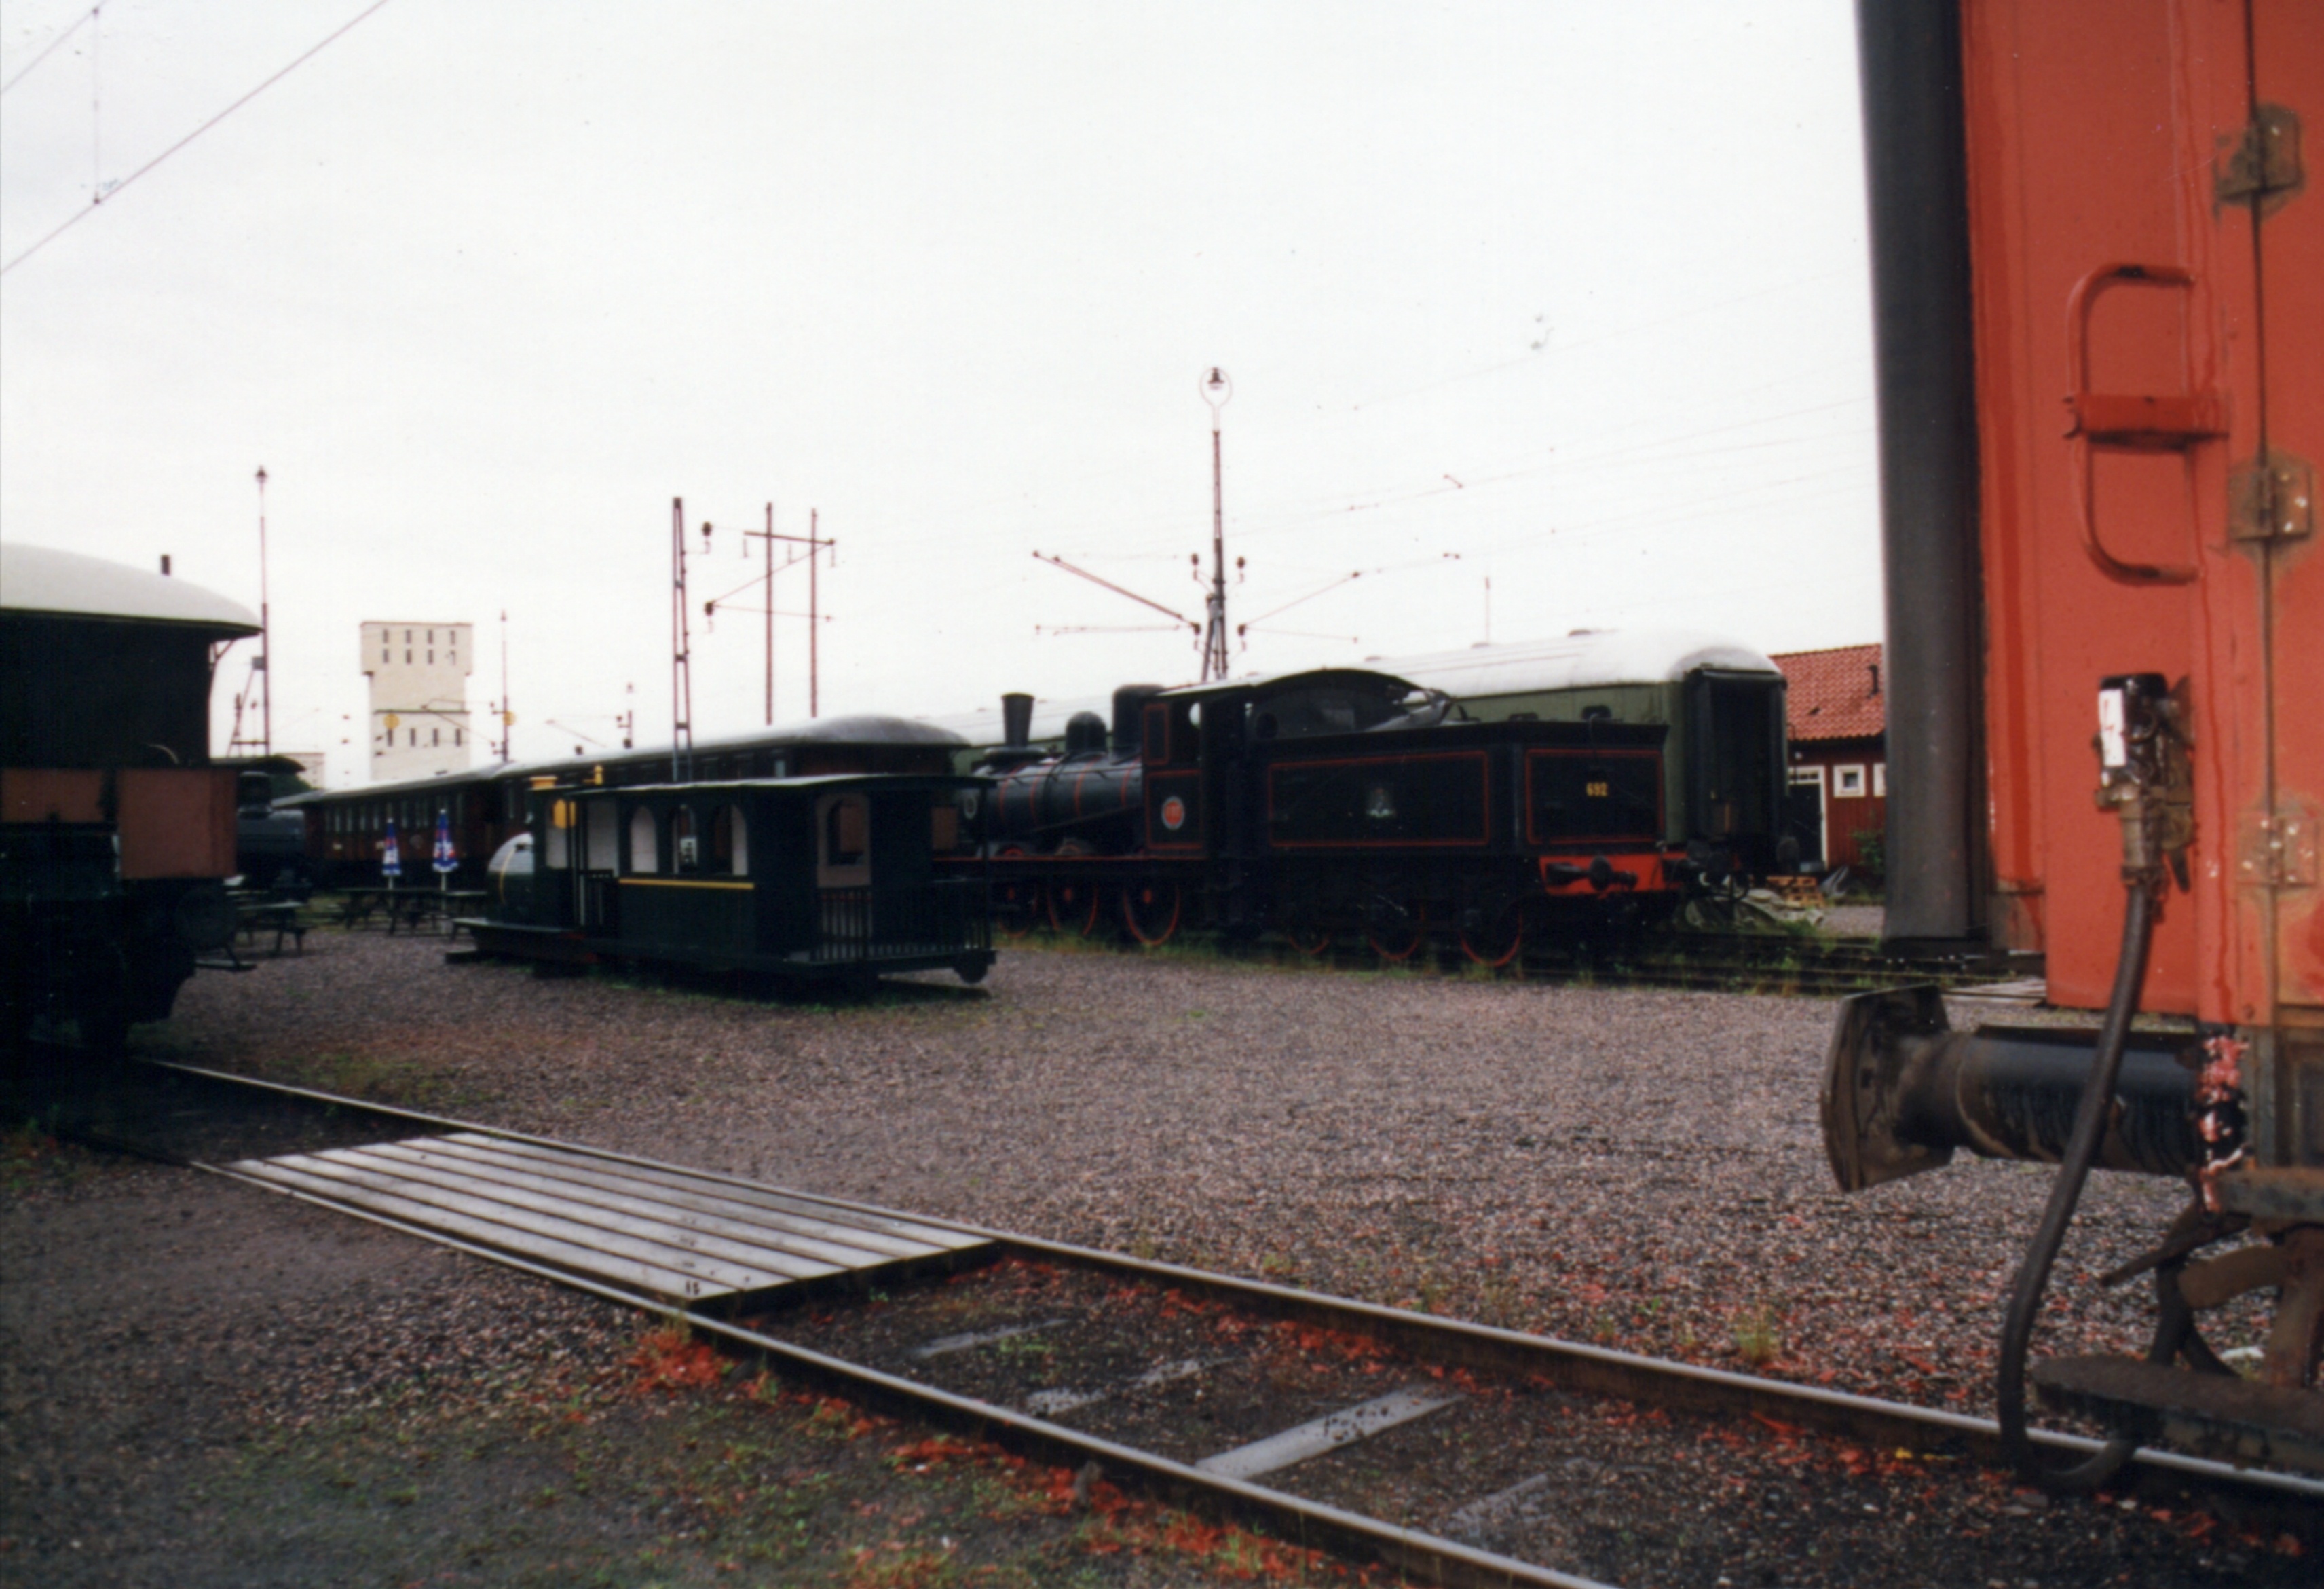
(830, 877)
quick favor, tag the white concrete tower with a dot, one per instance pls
(419, 676)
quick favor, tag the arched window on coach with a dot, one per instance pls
(730, 843)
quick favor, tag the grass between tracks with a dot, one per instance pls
(677, 1464)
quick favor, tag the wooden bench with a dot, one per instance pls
(279, 917)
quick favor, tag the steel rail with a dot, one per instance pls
(1291, 1516)
(2283, 1499)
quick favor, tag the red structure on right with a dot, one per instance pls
(2099, 287)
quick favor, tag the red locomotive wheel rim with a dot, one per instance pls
(1310, 941)
(1419, 937)
(1147, 897)
(1017, 906)
(1067, 911)
(1512, 918)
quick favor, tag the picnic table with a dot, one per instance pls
(261, 913)
(409, 908)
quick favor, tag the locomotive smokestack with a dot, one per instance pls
(1016, 721)
(1130, 717)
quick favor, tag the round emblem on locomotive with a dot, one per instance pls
(1174, 813)
(968, 804)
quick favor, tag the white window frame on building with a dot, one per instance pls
(1847, 781)
(1879, 780)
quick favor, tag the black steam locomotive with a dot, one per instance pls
(1339, 801)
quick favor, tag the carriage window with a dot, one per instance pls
(645, 843)
(601, 831)
(847, 830)
(558, 840)
(844, 838)
(730, 842)
(684, 844)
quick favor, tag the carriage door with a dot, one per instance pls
(843, 871)
(601, 861)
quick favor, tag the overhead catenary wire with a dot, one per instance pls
(54, 45)
(99, 198)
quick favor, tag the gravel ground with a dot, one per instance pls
(1633, 1168)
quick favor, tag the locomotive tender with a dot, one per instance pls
(1335, 801)
(117, 834)
(2098, 274)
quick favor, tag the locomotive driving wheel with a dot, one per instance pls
(1397, 931)
(1016, 904)
(1151, 911)
(1073, 905)
(1498, 936)
(1307, 937)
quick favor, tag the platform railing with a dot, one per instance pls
(944, 917)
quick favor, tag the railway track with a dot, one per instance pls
(1685, 961)
(1379, 1434)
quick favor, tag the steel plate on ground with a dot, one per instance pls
(690, 1238)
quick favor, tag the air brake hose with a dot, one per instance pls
(2073, 1169)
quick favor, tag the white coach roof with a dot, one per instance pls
(1576, 661)
(43, 579)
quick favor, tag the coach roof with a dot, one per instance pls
(40, 581)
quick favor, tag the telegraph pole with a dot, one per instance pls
(681, 675)
(508, 714)
(265, 630)
(771, 614)
(816, 546)
(1216, 390)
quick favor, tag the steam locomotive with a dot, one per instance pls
(1341, 801)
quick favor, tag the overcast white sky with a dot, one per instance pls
(484, 287)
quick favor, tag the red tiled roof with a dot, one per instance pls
(1837, 694)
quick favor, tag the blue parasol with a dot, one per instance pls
(447, 859)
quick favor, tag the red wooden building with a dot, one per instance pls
(1837, 722)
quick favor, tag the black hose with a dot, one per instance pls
(2065, 1192)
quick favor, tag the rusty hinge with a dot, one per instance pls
(2276, 849)
(2265, 168)
(2273, 499)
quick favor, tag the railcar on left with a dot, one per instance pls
(116, 832)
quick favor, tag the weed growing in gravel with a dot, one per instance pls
(29, 1155)
(1759, 1335)
(384, 1080)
